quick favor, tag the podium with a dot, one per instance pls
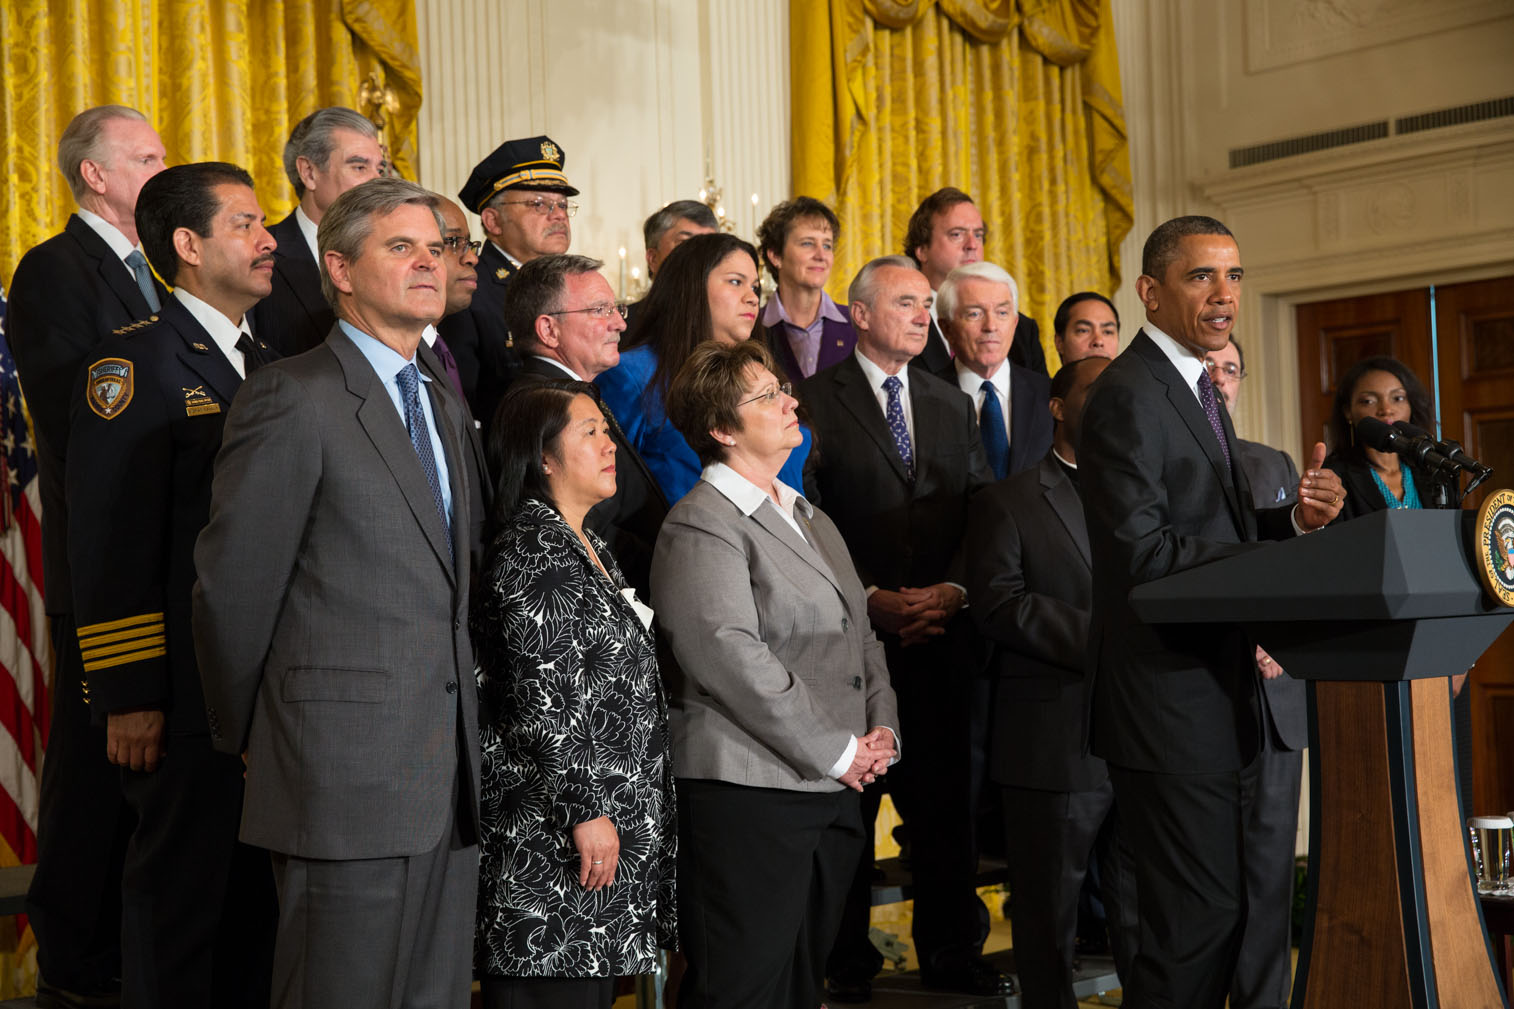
(1376, 614)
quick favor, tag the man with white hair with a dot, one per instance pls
(328, 152)
(978, 307)
(66, 294)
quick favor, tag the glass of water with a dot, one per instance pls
(1491, 841)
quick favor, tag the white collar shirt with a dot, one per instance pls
(971, 382)
(875, 378)
(223, 332)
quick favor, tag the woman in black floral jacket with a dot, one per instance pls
(577, 841)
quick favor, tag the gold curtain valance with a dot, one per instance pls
(1064, 31)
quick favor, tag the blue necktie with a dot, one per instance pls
(409, 380)
(1212, 411)
(896, 426)
(140, 270)
(995, 438)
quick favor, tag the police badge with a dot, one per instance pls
(550, 152)
(1495, 546)
(108, 386)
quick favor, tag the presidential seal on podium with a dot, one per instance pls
(1495, 546)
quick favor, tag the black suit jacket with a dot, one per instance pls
(481, 486)
(139, 494)
(899, 532)
(1160, 498)
(295, 316)
(66, 295)
(1030, 421)
(629, 520)
(480, 340)
(1030, 579)
(1274, 482)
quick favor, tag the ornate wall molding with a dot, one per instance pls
(1283, 32)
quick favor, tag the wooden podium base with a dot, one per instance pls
(1395, 918)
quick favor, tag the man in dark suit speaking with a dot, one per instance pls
(1174, 709)
(330, 621)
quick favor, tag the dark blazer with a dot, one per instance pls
(1030, 579)
(898, 532)
(480, 339)
(139, 486)
(1030, 421)
(66, 295)
(1160, 498)
(630, 519)
(837, 339)
(295, 316)
(1274, 483)
(1362, 495)
(331, 615)
(481, 486)
(1026, 351)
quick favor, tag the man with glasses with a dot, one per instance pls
(522, 198)
(566, 324)
(1270, 818)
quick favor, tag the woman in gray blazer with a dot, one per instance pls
(577, 835)
(781, 706)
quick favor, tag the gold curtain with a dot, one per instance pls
(221, 80)
(1015, 101)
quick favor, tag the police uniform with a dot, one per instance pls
(66, 294)
(479, 337)
(198, 907)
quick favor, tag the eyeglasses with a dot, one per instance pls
(457, 243)
(544, 206)
(1232, 371)
(782, 389)
(603, 310)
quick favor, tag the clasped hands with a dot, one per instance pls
(874, 753)
(915, 614)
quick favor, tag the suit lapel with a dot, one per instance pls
(200, 353)
(114, 272)
(854, 393)
(449, 415)
(299, 268)
(931, 426)
(386, 429)
(770, 520)
(1065, 504)
(1022, 408)
(1186, 402)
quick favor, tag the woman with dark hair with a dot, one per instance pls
(1386, 389)
(706, 289)
(782, 706)
(806, 331)
(576, 839)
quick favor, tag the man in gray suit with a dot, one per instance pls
(331, 625)
(1263, 977)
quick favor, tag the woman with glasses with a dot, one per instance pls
(576, 834)
(705, 290)
(781, 709)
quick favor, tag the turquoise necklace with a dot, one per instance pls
(1411, 495)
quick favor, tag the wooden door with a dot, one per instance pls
(1475, 336)
(1473, 343)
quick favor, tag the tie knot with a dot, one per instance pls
(135, 259)
(409, 379)
(988, 387)
(892, 385)
(1205, 385)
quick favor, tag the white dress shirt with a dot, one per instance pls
(222, 330)
(971, 382)
(308, 229)
(109, 234)
(875, 378)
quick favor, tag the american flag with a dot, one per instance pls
(25, 648)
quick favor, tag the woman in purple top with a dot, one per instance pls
(706, 289)
(806, 330)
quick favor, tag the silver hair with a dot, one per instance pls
(82, 141)
(348, 222)
(946, 294)
(312, 139)
(865, 284)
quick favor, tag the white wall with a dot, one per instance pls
(640, 96)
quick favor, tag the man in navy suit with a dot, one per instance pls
(329, 151)
(1174, 709)
(198, 907)
(68, 293)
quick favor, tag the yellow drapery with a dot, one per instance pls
(1015, 101)
(221, 80)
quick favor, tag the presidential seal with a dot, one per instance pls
(108, 386)
(1495, 546)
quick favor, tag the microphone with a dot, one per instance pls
(1450, 449)
(1373, 433)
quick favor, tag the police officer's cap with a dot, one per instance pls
(534, 163)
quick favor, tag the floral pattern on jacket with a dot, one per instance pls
(573, 723)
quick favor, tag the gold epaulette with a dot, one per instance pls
(133, 327)
(117, 642)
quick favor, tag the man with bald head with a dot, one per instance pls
(66, 295)
(978, 307)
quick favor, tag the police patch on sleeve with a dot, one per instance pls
(108, 386)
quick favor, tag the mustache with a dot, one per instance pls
(261, 260)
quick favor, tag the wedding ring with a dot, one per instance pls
(598, 861)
